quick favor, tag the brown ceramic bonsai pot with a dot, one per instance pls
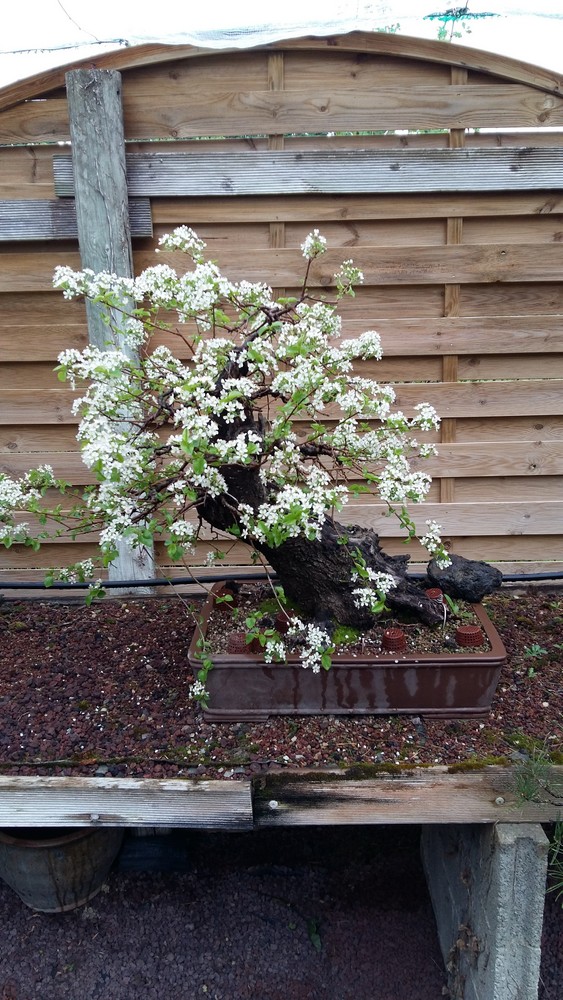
(244, 688)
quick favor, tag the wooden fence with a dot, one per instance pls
(421, 160)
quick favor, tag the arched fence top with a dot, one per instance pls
(378, 43)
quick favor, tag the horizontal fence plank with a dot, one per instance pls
(48, 406)
(495, 548)
(525, 299)
(465, 335)
(398, 45)
(426, 337)
(412, 265)
(27, 172)
(495, 399)
(367, 44)
(540, 518)
(480, 489)
(422, 796)
(420, 265)
(504, 366)
(20, 438)
(450, 399)
(461, 519)
(37, 375)
(400, 338)
(20, 342)
(466, 459)
(511, 458)
(329, 109)
(388, 139)
(350, 172)
(501, 429)
(31, 219)
(189, 114)
(321, 209)
(32, 271)
(41, 309)
(74, 801)
(35, 122)
(352, 234)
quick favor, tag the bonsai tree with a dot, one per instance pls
(213, 440)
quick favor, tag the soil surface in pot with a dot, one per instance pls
(104, 690)
(255, 600)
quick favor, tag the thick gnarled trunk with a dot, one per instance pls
(317, 576)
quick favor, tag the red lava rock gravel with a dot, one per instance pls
(308, 914)
(317, 914)
(105, 691)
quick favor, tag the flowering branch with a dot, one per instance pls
(259, 433)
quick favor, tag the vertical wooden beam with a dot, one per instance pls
(276, 81)
(452, 297)
(104, 235)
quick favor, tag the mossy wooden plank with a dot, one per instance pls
(405, 795)
(36, 801)
(430, 795)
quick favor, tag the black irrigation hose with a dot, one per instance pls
(114, 584)
(217, 578)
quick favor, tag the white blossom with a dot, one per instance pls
(261, 385)
(313, 245)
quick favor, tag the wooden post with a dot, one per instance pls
(104, 235)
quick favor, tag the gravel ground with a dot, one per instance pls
(323, 913)
(105, 691)
(326, 913)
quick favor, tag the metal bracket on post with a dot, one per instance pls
(104, 235)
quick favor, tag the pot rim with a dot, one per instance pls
(494, 656)
(58, 840)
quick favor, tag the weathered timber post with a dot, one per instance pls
(104, 235)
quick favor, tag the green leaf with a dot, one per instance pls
(314, 936)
